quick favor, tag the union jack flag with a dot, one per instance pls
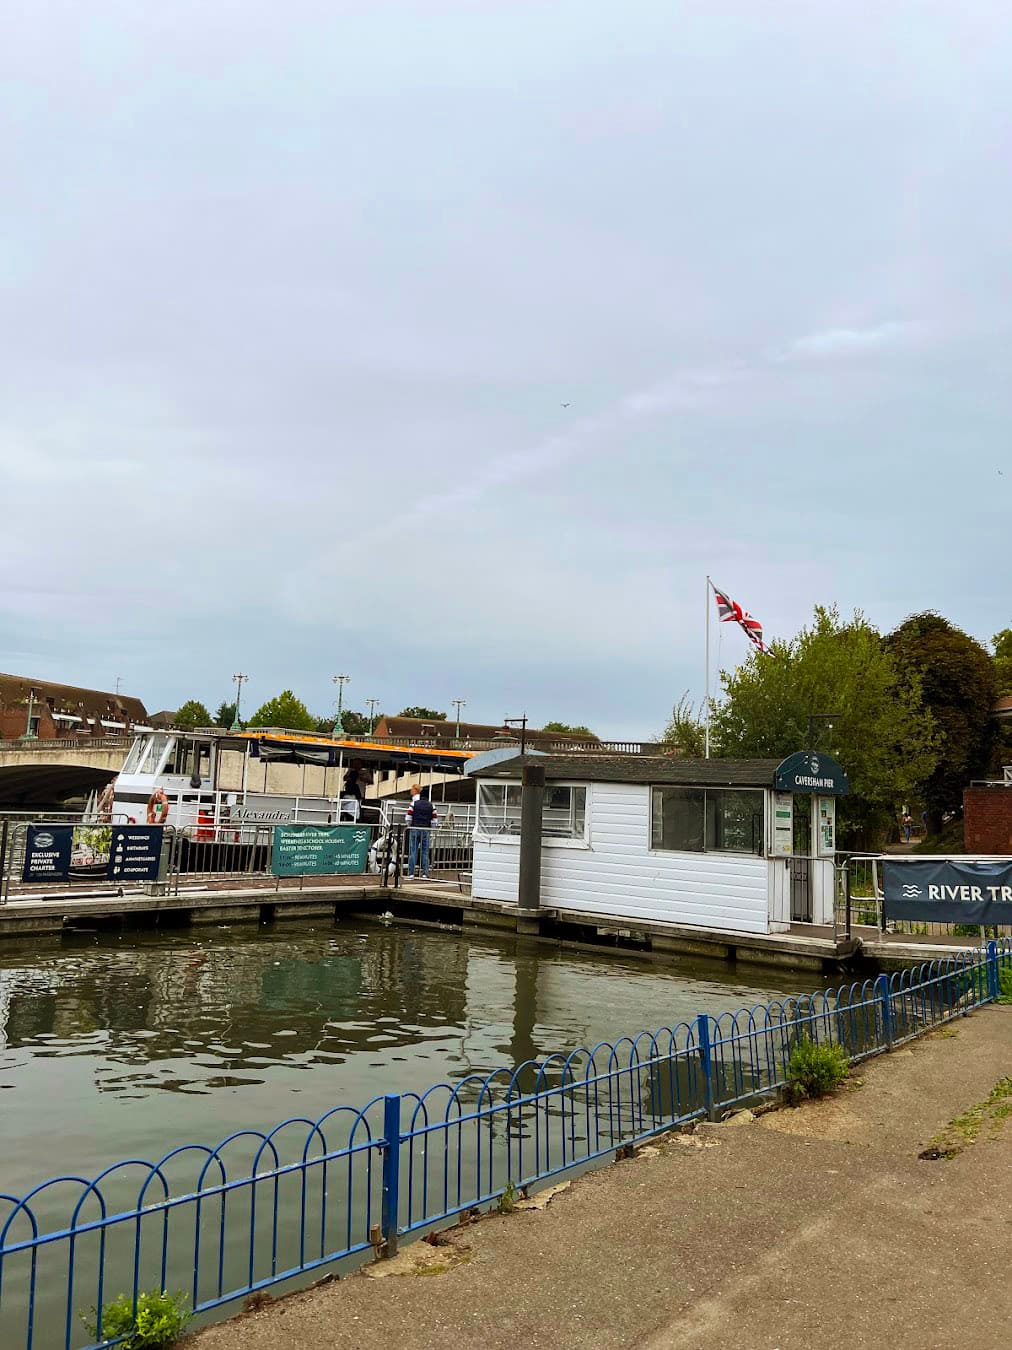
(730, 611)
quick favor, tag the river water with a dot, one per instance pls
(116, 1046)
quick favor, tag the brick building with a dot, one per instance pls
(987, 817)
(60, 711)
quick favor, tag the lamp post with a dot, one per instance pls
(828, 718)
(373, 703)
(458, 703)
(340, 681)
(29, 733)
(238, 680)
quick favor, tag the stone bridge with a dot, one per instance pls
(43, 773)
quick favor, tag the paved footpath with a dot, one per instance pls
(805, 1229)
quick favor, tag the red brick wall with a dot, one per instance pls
(987, 819)
(14, 723)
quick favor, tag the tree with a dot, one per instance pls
(564, 729)
(1003, 662)
(881, 733)
(425, 714)
(225, 715)
(686, 731)
(354, 723)
(192, 714)
(284, 711)
(957, 679)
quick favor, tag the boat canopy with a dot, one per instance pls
(291, 748)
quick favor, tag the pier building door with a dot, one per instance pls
(801, 863)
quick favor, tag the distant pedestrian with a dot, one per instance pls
(908, 824)
(421, 817)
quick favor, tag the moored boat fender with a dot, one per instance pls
(158, 808)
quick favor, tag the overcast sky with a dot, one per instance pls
(292, 297)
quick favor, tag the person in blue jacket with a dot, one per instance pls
(421, 818)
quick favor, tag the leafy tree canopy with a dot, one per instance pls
(957, 679)
(1003, 662)
(284, 711)
(426, 714)
(685, 731)
(225, 715)
(355, 723)
(192, 714)
(881, 733)
(565, 729)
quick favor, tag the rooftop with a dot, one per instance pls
(591, 768)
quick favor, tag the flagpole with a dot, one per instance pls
(707, 696)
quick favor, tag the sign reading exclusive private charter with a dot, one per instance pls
(949, 892)
(318, 850)
(812, 773)
(106, 852)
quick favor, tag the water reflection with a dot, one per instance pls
(114, 1044)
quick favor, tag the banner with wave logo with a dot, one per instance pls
(949, 892)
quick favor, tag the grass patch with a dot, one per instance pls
(815, 1070)
(964, 1130)
(157, 1323)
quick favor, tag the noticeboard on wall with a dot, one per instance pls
(783, 824)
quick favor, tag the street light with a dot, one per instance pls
(238, 680)
(29, 733)
(340, 681)
(372, 704)
(458, 703)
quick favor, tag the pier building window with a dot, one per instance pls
(564, 817)
(706, 820)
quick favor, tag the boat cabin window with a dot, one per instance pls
(146, 754)
(189, 757)
(564, 817)
(707, 820)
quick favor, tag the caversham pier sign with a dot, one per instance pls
(809, 772)
(949, 892)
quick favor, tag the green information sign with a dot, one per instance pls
(318, 850)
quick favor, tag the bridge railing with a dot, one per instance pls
(265, 1207)
(38, 745)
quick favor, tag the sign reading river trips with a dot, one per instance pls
(106, 852)
(949, 892)
(318, 850)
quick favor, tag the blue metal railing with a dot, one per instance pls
(261, 1209)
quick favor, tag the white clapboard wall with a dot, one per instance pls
(617, 875)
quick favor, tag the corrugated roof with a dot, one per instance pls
(590, 768)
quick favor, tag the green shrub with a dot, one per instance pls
(1004, 985)
(507, 1202)
(158, 1321)
(815, 1070)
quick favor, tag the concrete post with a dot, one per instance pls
(532, 802)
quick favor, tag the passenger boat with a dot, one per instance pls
(221, 784)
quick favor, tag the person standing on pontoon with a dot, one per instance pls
(421, 817)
